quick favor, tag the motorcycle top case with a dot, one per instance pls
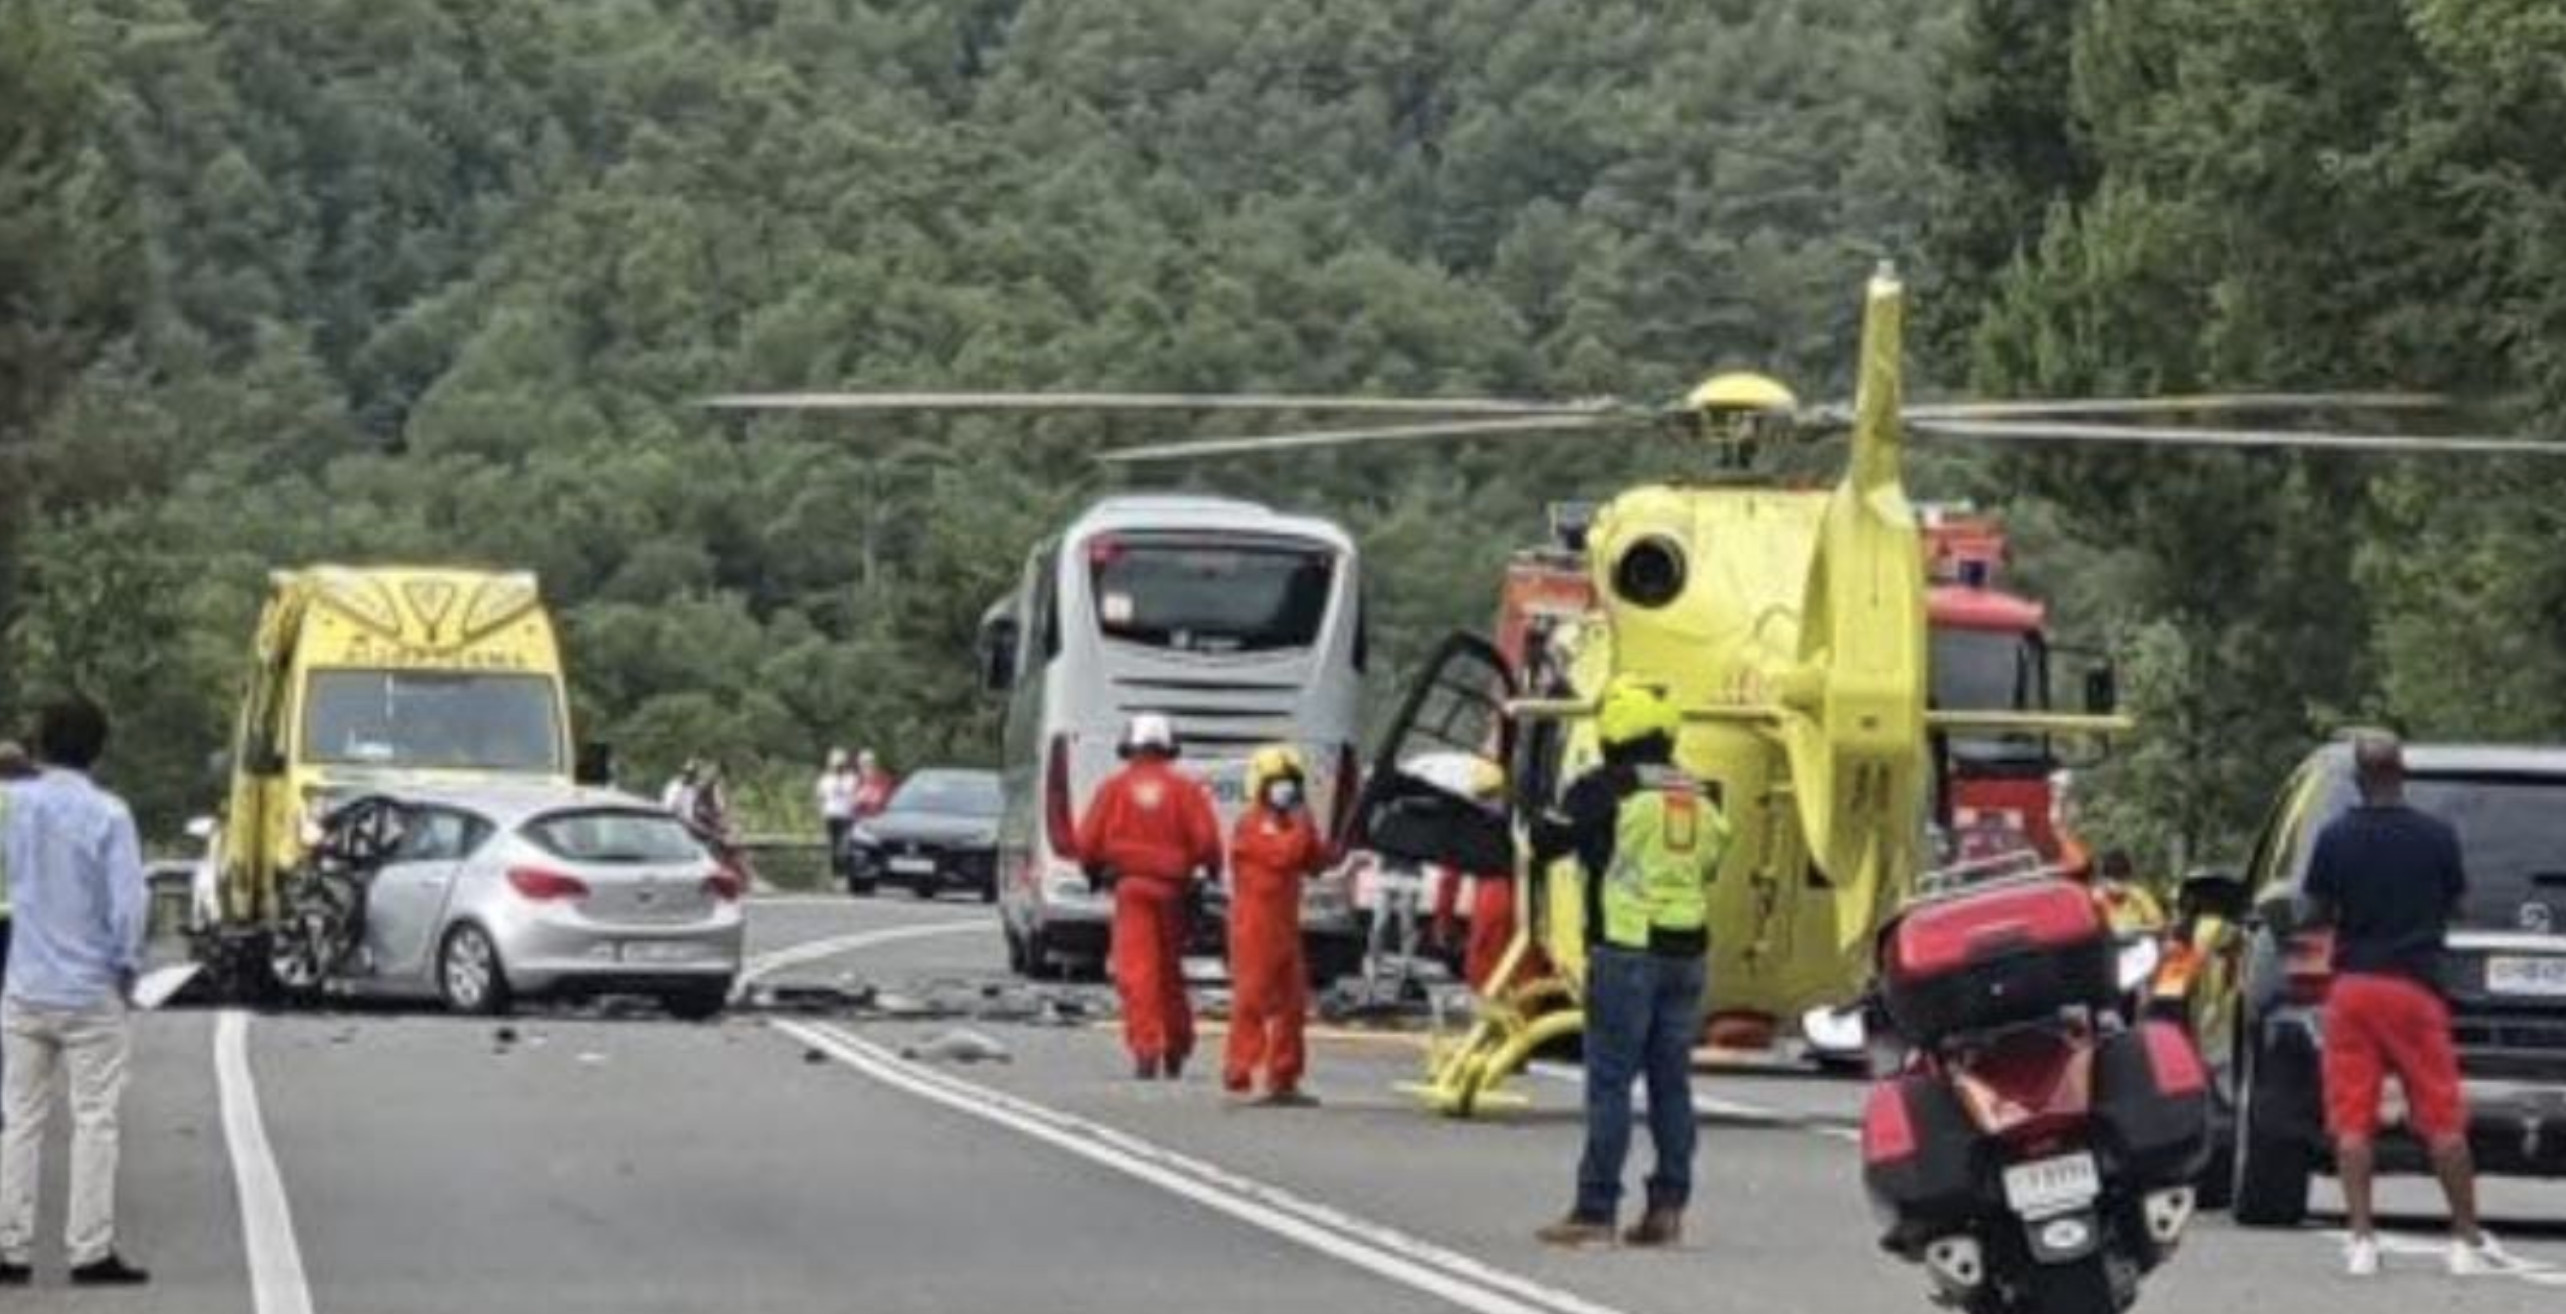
(1995, 955)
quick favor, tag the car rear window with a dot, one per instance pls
(615, 835)
(2512, 838)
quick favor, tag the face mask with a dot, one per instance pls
(1283, 795)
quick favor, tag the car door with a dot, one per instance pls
(408, 895)
(1455, 710)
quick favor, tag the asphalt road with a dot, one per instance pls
(379, 1162)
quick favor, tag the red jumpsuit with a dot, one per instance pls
(1153, 826)
(1492, 928)
(1270, 854)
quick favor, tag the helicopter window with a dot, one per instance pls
(1210, 597)
(1650, 572)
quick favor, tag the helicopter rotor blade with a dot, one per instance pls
(1138, 401)
(2229, 403)
(1282, 442)
(2037, 431)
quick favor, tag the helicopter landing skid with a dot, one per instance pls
(1467, 1075)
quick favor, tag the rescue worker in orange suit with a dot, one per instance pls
(1149, 835)
(1274, 848)
(1492, 908)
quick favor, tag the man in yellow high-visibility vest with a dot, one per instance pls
(1650, 838)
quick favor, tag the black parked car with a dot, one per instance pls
(2504, 974)
(939, 832)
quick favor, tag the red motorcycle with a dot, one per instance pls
(2034, 1149)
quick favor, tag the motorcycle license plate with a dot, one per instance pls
(2542, 977)
(2052, 1186)
(908, 866)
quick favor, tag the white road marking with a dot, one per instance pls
(809, 951)
(1376, 1248)
(2531, 1271)
(1716, 1106)
(277, 1284)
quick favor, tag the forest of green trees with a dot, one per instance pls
(290, 280)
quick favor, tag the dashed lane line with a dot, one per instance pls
(277, 1283)
(1421, 1265)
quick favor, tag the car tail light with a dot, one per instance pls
(1888, 1133)
(725, 884)
(542, 884)
(1059, 818)
(2307, 965)
(2173, 1060)
(1349, 784)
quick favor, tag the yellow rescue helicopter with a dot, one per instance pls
(1788, 626)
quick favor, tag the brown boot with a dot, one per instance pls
(1575, 1232)
(1662, 1225)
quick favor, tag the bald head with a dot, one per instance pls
(2379, 767)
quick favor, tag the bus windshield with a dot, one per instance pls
(433, 719)
(1210, 596)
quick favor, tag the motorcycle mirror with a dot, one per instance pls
(1835, 1031)
(2138, 961)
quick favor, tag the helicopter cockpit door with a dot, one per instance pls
(1417, 805)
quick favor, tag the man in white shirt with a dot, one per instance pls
(78, 913)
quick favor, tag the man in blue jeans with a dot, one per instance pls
(1649, 838)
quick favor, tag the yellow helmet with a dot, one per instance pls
(1271, 761)
(1632, 710)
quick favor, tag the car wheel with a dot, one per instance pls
(858, 887)
(469, 974)
(989, 890)
(699, 1003)
(2271, 1168)
(923, 888)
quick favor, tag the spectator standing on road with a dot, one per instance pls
(1150, 834)
(2387, 878)
(873, 785)
(1649, 838)
(836, 790)
(679, 796)
(1273, 849)
(76, 883)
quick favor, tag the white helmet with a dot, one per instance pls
(1149, 731)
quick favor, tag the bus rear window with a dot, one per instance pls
(1210, 597)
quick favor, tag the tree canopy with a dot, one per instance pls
(296, 280)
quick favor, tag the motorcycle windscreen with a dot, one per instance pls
(1435, 793)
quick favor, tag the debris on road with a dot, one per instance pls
(959, 1045)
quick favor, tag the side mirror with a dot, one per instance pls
(2213, 892)
(2102, 689)
(998, 655)
(2279, 914)
(595, 764)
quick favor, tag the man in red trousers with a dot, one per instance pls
(1150, 833)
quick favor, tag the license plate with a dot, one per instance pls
(2544, 977)
(908, 866)
(2052, 1186)
(661, 951)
